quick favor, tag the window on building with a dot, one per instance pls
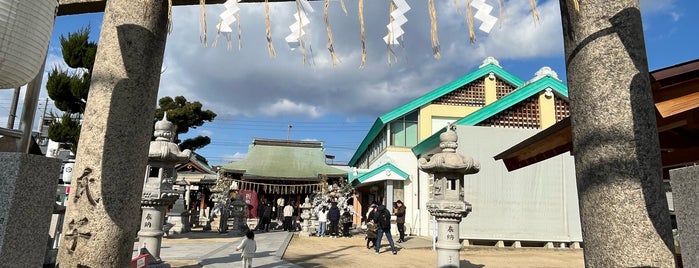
(398, 190)
(404, 131)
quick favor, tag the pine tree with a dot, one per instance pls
(185, 115)
(69, 89)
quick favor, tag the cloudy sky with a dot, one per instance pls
(255, 95)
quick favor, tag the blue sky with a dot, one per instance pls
(257, 96)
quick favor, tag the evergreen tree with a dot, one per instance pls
(69, 89)
(185, 115)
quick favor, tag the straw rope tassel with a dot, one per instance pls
(268, 29)
(302, 44)
(501, 11)
(169, 16)
(202, 31)
(469, 18)
(344, 8)
(389, 49)
(535, 13)
(237, 17)
(433, 30)
(333, 56)
(361, 30)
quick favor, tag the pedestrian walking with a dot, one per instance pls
(371, 229)
(248, 247)
(383, 219)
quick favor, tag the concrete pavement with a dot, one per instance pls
(210, 249)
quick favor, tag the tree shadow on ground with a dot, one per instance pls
(468, 264)
(307, 259)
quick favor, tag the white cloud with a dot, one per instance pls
(287, 107)
(248, 82)
(655, 6)
(675, 16)
(238, 156)
(204, 132)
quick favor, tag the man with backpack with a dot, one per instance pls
(383, 220)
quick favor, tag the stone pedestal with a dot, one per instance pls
(448, 214)
(27, 194)
(151, 233)
(178, 216)
(685, 187)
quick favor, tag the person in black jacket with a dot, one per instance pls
(334, 218)
(346, 220)
(266, 216)
(383, 219)
(400, 220)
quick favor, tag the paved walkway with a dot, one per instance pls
(212, 250)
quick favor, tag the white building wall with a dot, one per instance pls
(535, 203)
(406, 162)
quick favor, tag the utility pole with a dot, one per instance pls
(288, 133)
(43, 115)
(13, 109)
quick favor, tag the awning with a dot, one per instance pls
(197, 178)
(383, 173)
(676, 95)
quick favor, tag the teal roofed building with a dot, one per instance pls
(288, 169)
(492, 109)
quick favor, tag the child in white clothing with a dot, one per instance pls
(249, 247)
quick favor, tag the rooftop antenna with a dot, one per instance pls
(288, 133)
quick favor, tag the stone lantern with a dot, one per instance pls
(448, 205)
(158, 191)
(306, 209)
(178, 216)
(238, 214)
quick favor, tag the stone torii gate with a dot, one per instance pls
(101, 219)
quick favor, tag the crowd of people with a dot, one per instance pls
(377, 222)
(332, 222)
(336, 222)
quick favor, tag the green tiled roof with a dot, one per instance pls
(427, 99)
(283, 159)
(388, 166)
(498, 106)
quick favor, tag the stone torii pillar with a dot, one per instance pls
(103, 210)
(448, 204)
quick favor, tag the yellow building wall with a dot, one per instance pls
(399, 149)
(490, 89)
(437, 110)
(547, 110)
